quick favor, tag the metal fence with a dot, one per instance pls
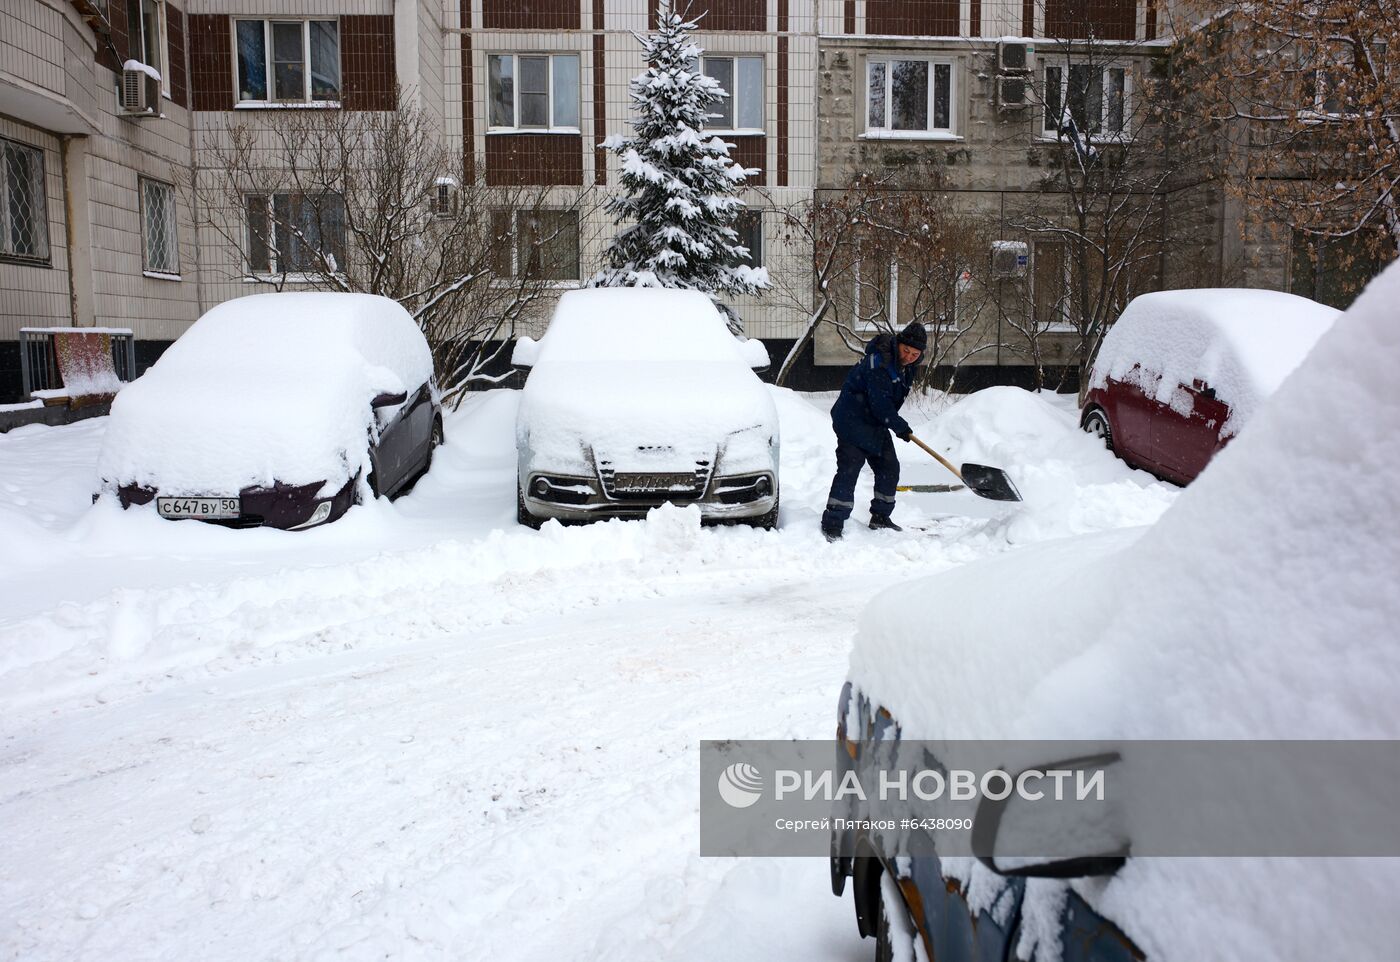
(38, 358)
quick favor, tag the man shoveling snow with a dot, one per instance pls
(863, 417)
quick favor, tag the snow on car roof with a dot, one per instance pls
(272, 387)
(1260, 606)
(626, 324)
(1240, 342)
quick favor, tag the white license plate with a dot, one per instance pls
(659, 483)
(202, 508)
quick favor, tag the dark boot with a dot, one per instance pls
(881, 522)
(832, 532)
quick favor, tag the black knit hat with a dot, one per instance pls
(915, 336)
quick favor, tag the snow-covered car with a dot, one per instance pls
(272, 409)
(638, 397)
(1242, 615)
(1181, 372)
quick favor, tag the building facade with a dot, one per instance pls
(110, 110)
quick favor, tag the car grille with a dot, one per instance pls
(653, 485)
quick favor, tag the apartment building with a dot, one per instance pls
(110, 108)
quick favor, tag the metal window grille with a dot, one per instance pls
(24, 222)
(161, 247)
(38, 360)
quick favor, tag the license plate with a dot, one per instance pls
(200, 508)
(634, 483)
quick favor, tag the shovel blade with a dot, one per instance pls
(990, 483)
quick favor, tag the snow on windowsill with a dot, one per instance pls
(534, 130)
(161, 276)
(287, 105)
(288, 278)
(1119, 138)
(738, 132)
(935, 135)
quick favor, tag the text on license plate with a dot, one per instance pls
(654, 482)
(197, 507)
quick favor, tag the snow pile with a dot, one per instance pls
(647, 379)
(273, 387)
(1261, 606)
(1240, 342)
(1069, 481)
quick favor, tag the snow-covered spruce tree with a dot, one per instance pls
(679, 200)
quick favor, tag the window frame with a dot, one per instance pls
(947, 324)
(928, 132)
(275, 269)
(142, 183)
(754, 258)
(516, 127)
(40, 174)
(162, 58)
(1099, 136)
(269, 79)
(515, 234)
(732, 95)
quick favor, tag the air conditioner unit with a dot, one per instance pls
(1015, 56)
(1013, 92)
(140, 93)
(1010, 258)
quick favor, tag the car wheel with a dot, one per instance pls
(1096, 423)
(769, 521)
(894, 930)
(434, 441)
(522, 514)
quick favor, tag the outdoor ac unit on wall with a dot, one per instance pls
(140, 93)
(1015, 57)
(1010, 258)
(1013, 92)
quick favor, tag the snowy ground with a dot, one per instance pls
(425, 732)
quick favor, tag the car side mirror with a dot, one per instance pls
(388, 400)
(1203, 389)
(1057, 835)
(755, 354)
(525, 353)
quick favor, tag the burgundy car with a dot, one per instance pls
(1182, 372)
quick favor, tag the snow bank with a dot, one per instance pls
(1071, 484)
(646, 379)
(1260, 606)
(273, 387)
(1240, 342)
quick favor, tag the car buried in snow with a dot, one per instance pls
(278, 410)
(641, 397)
(1181, 372)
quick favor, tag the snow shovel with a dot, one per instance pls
(985, 482)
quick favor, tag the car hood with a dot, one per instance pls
(647, 417)
(188, 431)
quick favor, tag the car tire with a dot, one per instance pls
(769, 521)
(522, 514)
(894, 930)
(1096, 423)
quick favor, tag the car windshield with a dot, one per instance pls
(637, 326)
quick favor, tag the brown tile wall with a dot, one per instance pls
(532, 14)
(211, 61)
(1106, 19)
(751, 152)
(912, 18)
(749, 15)
(515, 160)
(367, 74)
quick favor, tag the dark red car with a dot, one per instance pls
(1181, 372)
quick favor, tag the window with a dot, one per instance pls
(742, 80)
(886, 298)
(24, 216)
(295, 233)
(909, 96)
(533, 91)
(1338, 90)
(145, 21)
(160, 250)
(542, 246)
(1050, 284)
(288, 61)
(1095, 98)
(749, 226)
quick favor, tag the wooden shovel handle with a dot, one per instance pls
(941, 459)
